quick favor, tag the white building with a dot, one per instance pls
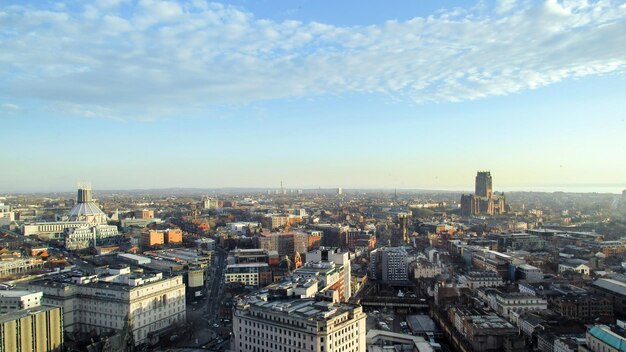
(481, 278)
(152, 304)
(86, 236)
(14, 300)
(86, 227)
(510, 305)
(339, 261)
(300, 325)
(6, 215)
(249, 274)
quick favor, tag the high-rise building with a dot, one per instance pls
(389, 264)
(339, 191)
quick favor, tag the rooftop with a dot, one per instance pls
(23, 313)
(611, 285)
(604, 334)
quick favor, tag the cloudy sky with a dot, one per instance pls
(319, 93)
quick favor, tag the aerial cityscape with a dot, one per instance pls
(315, 176)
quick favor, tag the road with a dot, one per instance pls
(204, 314)
(216, 287)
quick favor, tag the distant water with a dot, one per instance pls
(569, 189)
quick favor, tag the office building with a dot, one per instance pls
(152, 238)
(6, 215)
(37, 329)
(14, 300)
(286, 244)
(298, 325)
(173, 236)
(389, 265)
(152, 304)
(529, 273)
(250, 274)
(342, 264)
(91, 236)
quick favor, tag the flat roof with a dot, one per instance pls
(24, 312)
(17, 293)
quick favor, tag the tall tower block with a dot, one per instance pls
(484, 186)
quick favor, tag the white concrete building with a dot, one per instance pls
(510, 305)
(151, 303)
(300, 325)
(332, 268)
(481, 278)
(87, 236)
(250, 274)
(6, 215)
(14, 300)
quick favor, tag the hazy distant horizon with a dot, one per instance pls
(539, 189)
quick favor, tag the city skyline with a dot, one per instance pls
(408, 95)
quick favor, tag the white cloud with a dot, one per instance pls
(166, 55)
(11, 107)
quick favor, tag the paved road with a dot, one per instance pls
(216, 286)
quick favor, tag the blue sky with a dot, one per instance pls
(405, 94)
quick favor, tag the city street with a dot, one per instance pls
(204, 314)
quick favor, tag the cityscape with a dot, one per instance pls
(313, 176)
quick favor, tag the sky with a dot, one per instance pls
(355, 94)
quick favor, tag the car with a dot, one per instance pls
(216, 325)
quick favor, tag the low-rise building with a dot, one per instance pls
(19, 266)
(481, 278)
(600, 338)
(529, 273)
(14, 300)
(613, 290)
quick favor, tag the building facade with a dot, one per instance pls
(38, 329)
(300, 325)
(151, 304)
